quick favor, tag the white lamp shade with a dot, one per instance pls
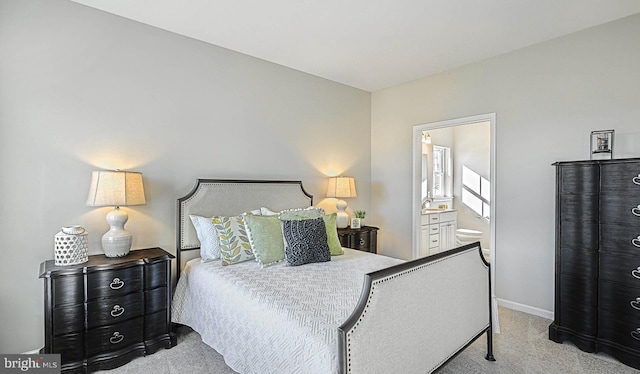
(341, 187)
(116, 188)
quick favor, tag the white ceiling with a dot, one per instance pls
(371, 44)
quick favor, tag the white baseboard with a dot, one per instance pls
(526, 309)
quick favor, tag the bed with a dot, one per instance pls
(357, 313)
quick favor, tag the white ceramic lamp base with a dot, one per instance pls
(342, 218)
(117, 241)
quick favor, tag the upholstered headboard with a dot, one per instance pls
(222, 197)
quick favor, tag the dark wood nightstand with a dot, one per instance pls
(362, 239)
(107, 311)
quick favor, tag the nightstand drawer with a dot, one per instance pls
(69, 346)
(68, 289)
(115, 309)
(361, 241)
(155, 275)
(155, 324)
(68, 319)
(115, 282)
(111, 338)
(156, 299)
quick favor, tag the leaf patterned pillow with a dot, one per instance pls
(233, 239)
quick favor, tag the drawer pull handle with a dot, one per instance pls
(116, 338)
(636, 241)
(116, 284)
(636, 180)
(635, 304)
(636, 272)
(117, 311)
(362, 241)
(636, 211)
(636, 334)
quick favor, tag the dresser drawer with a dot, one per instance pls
(578, 262)
(114, 337)
(618, 238)
(581, 292)
(620, 210)
(579, 235)
(578, 179)
(113, 310)
(620, 269)
(68, 319)
(623, 330)
(155, 275)
(579, 208)
(619, 300)
(621, 178)
(109, 283)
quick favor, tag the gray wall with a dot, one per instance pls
(547, 98)
(83, 90)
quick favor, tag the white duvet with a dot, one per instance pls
(279, 319)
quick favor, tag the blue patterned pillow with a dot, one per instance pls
(305, 241)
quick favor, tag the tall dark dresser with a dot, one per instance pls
(597, 285)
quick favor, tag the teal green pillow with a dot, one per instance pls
(332, 234)
(265, 237)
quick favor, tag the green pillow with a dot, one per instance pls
(332, 234)
(265, 236)
(298, 214)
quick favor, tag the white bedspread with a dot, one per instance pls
(280, 319)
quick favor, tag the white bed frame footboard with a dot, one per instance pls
(416, 316)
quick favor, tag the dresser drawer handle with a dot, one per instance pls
(636, 334)
(636, 272)
(116, 284)
(635, 304)
(636, 241)
(117, 311)
(362, 241)
(116, 338)
(636, 180)
(636, 211)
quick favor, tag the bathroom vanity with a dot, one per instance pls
(437, 230)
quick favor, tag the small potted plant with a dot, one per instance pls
(357, 222)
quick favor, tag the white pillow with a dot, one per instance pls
(208, 237)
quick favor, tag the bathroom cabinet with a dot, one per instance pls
(438, 232)
(597, 278)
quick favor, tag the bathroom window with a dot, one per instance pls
(476, 192)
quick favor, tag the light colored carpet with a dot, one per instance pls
(523, 346)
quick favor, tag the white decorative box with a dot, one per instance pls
(71, 246)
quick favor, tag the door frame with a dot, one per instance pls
(417, 199)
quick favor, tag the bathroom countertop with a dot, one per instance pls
(436, 210)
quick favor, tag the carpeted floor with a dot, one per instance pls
(522, 346)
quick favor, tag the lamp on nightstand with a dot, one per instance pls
(116, 188)
(342, 187)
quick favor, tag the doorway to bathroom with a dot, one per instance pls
(454, 174)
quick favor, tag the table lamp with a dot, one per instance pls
(341, 187)
(116, 188)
